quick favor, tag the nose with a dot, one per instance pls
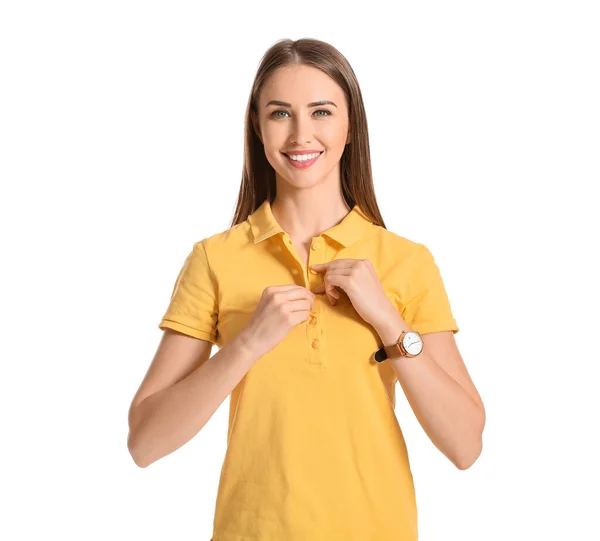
(301, 130)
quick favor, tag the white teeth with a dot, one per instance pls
(303, 157)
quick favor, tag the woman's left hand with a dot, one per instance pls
(358, 279)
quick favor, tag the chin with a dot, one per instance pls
(299, 182)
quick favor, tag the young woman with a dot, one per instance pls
(317, 310)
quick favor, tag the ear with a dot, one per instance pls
(349, 137)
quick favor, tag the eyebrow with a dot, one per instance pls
(311, 104)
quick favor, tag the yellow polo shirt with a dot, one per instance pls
(314, 448)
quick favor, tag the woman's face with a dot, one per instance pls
(294, 124)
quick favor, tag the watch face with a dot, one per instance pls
(412, 343)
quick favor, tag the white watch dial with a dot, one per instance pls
(412, 343)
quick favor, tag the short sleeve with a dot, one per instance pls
(193, 308)
(428, 307)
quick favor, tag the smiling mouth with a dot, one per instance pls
(289, 156)
(303, 164)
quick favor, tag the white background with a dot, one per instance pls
(121, 133)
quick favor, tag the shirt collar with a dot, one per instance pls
(351, 229)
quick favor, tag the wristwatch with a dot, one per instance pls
(409, 344)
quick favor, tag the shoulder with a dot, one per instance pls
(396, 248)
(394, 239)
(223, 246)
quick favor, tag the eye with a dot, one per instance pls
(275, 115)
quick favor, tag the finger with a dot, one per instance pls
(335, 284)
(322, 288)
(332, 300)
(343, 271)
(334, 264)
(319, 289)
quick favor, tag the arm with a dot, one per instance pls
(181, 391)
(440, 392)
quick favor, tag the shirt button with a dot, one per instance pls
(315, 344)
(312, 321)
(315, 245)
(295, 271)
(314, 271)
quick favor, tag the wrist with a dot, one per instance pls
(390, 329)
(244, 343)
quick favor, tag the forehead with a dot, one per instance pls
(300, 85)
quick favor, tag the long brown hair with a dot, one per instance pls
(258, 176)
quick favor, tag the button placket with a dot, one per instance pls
(298, 269)
(315, 256)
(314, 328)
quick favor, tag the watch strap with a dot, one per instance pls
(392, 351)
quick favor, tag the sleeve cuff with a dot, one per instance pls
(186, 329)
(424, 328)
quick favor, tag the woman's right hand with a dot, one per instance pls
(279, 310)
